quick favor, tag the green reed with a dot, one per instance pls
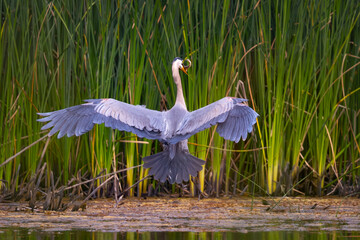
(296, 62)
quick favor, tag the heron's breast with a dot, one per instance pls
(173, 119)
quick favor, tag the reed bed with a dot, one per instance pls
(297, 62)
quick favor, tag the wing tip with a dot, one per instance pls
(44, 114)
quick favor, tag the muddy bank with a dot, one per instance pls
(189, 214)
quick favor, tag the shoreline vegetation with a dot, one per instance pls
(297, 62)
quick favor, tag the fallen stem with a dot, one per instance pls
(21, 151)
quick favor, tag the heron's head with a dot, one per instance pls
(178, 63)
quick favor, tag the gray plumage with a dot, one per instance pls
(234, 121)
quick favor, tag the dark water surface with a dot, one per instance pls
(25, 233)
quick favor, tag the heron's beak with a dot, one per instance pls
(184, 70)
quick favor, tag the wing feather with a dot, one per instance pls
(243, 118)
(80, 119)
(234, 119)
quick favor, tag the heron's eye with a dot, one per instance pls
(186, 63)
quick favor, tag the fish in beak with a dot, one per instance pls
(184, 68)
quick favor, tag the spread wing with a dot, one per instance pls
(80, 119)
(234, 119)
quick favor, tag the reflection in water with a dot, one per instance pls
(22, 233)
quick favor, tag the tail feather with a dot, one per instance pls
(196, 163)
(182, 165)
(177, 169)
(158, 168)
(188, 168)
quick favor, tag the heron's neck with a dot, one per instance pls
(179, 94)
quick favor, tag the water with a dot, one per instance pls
(24, 233)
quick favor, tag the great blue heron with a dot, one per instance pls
(234, 120)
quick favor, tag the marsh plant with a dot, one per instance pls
(297, 62)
